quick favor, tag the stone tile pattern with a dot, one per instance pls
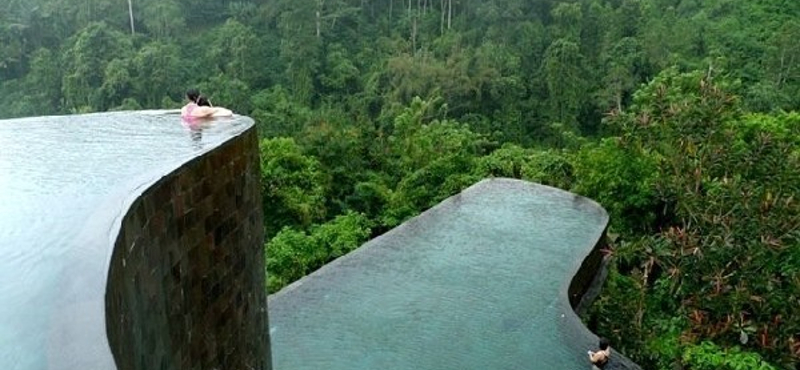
(584, 288)
(186, 285)
(586, 275)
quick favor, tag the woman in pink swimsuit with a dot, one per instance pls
(194, 110)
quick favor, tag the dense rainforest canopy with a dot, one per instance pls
(678, 116)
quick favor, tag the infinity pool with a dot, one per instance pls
(478, 282)
(64, 184)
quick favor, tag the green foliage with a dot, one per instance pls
(158, 74)
(292, 253)
(432, 159)
(343, 75)
(43, 83)
(88, 55)
(564, 76)
(277, 114)
(228, 92)
(729, 180)
(234, 51)
(163, 18)
(623, 180)
(708, 356)
(293, 185)
(341, 148)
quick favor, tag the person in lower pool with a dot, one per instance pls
(599, 359)
(193, 109)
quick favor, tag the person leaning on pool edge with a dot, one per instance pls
(219, 111)
(193, 109)
(600, 358)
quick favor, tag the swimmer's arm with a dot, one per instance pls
(203, 112)
(222, 112)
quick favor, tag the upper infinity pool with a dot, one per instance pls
(65, 182)
(478, 282)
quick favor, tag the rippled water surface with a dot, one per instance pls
(479, 282)
(64, 181)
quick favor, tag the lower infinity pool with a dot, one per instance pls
(478, 282)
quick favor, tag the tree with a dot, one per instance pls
(277, 114)
(85, 60)
(563, 73)
(432, 158)
(782, 63)
(43, 82)
(229, 92)
(117, 82)
(294, 253)
(567, 18)
(726, 247)
(341, 76)
(343, 151)
(164, 19)
(236, 52)
(158, 73)
(293, 185)
(624, 65)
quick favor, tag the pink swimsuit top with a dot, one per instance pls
(189, 108)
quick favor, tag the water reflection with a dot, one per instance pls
(63, 183)
(195, 127)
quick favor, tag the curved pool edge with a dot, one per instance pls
(586, 284)
(159, 310)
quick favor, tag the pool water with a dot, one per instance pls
(478, 282)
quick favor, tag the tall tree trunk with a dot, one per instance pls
(449, 13)
(414, 37)
(130, 12)
(441, 21)
(780, 69)
(320, 4)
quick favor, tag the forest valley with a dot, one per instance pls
(678, 116)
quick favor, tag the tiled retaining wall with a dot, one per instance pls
(585, 286)
(580, 294)
(186, 285)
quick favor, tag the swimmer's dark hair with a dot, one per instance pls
(203, 101)
(192, 94)
(604, 344)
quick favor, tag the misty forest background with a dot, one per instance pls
(678, 116)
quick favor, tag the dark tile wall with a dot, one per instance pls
(186, 285)
(587, 275)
